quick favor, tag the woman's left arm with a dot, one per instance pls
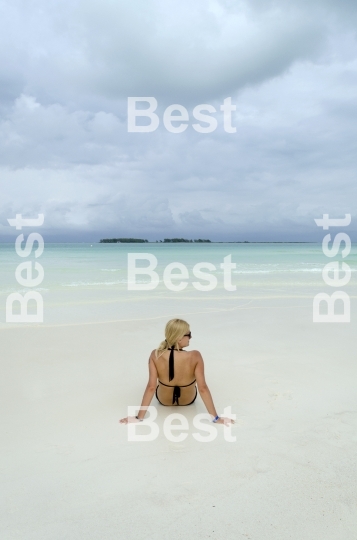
(148, 394)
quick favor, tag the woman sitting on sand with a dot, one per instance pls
(173, 373)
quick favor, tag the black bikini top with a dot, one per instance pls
(176, 389)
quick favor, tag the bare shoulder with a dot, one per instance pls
(196, 356)
(153, 355)
(196, 353)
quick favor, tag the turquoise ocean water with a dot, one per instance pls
(89, 282)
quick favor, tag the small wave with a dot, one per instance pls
(91, 283)
(316, 270)
(283, 270)
(21, 291)
(40, 289)
(253, 271)
(305, 270)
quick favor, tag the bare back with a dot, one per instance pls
(185, 365)
(181, 385)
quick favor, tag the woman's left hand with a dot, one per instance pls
(129, 420)
(224, 420)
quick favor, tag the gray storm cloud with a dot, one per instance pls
(67, 68)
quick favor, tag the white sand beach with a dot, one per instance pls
(68, 470)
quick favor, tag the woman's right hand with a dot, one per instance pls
(129, 420)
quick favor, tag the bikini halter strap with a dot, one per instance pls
(171, 363)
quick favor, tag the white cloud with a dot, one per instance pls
(291, 69)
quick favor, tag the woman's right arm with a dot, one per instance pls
(148, 394)
(205, 392)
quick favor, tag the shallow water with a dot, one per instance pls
(90, 282)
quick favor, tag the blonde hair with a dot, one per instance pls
(174, 331)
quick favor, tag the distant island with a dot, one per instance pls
(122, 240)
(141, 240)
(174, 240)
(185, 240)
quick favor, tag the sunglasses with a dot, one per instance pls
(188, 335)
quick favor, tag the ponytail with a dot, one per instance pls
(174, 331)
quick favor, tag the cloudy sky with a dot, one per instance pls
(67, 68)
